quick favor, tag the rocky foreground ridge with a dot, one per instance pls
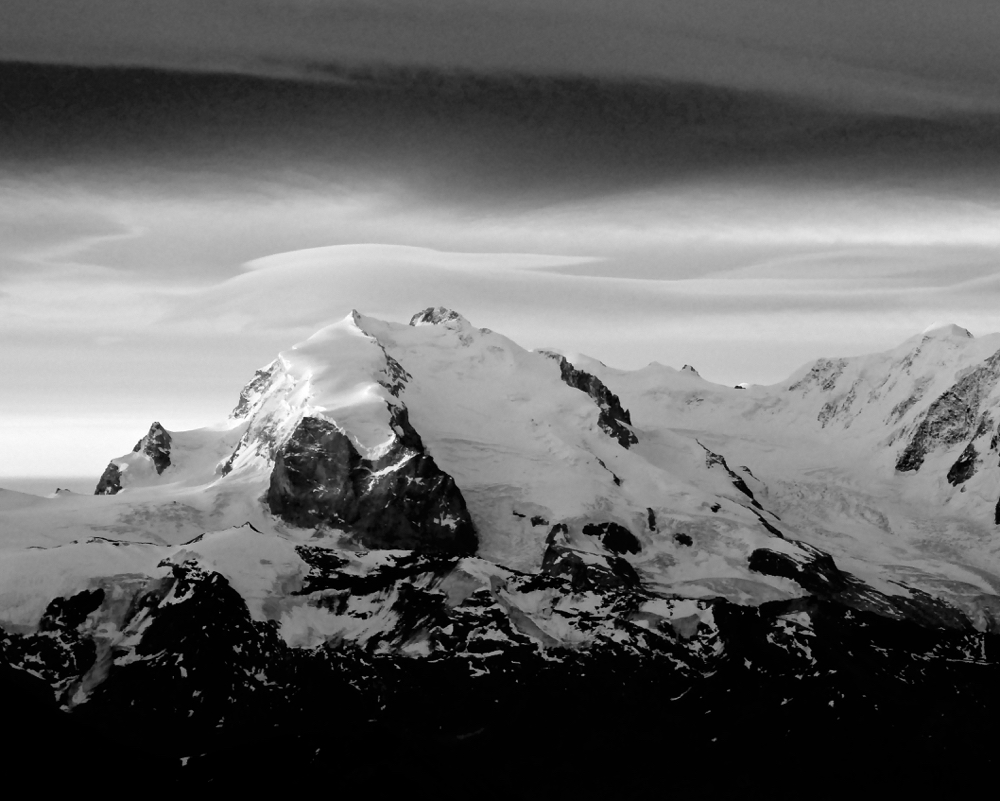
(459, 549)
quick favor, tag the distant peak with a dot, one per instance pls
(946, 331)
(687, 368)
(436, 315)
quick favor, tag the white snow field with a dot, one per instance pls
(817, 452)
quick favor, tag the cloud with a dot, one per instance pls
(624, 321)
(138, 259)
(942, 55)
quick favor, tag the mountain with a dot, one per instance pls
(889, 459)
(427, 539)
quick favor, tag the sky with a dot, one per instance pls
(188, 188)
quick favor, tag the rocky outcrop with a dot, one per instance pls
(614, 537)
(823, 374)
(812, 569)
(614, 476)
(426, 649)
(585, 570)
(395, 377)
(70, 612)
(613, 419)
(839, 408)
(955, 416)
(771, 529)
(156, 445)
(964, 467)
(435, 315)
(110, 482)
(712, 459)
(400, 500)
(817, 573)
(253, 390)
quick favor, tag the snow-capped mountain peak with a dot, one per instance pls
(353, 421)
(941, 330)
(395, 513)
(479, 444)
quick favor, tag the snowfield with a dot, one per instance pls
(526, 451)
(426, 532)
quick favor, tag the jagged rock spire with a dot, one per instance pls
(435, 315)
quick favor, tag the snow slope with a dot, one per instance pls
(584, 550)
(528, 451)
(828, 441)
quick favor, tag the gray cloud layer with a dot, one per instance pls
(460, 135)
(918, 54)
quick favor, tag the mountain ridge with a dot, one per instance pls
(394, 507)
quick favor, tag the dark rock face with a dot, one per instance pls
(156, 445)
(434, 315)
(196, 634)
(816, 573)
(770, 528)
(819, 575)
(614, 537)
(110, 482)
(583, 569)
(252, 391)
(964, 467)
(612, 419)
(227, 468)
(712, 459)
(954, 416)
(854, 674)
(70, 612)
(189, 636)
(683, 539)
(395, 376)
(614, 476)
(401, 500)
